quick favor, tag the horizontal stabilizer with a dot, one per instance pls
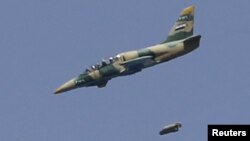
(193, 41)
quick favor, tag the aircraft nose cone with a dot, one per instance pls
(66, 87)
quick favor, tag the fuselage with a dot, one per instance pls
(160, 53)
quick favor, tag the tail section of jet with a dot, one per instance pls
(183, 27)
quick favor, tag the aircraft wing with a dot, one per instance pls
(137, 62)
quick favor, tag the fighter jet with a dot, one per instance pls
(170, 128)
(180, 41)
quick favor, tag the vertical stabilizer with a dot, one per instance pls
(183, 27)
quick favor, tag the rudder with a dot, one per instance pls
(183, 27)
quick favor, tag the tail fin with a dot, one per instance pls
(183, 27)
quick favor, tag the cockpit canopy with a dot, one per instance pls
(116, 58)
(103, 63)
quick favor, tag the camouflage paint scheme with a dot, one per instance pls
(180, 41)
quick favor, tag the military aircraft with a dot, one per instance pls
(180, 41)
(170, 128)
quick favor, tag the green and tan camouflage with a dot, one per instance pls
(180, 41)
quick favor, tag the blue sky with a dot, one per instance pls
(46, 42)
